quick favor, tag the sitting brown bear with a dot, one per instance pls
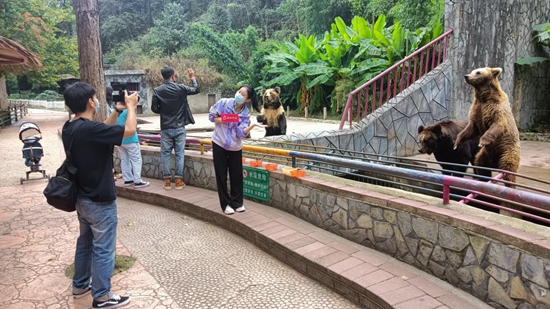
(272, 114)
(439, 139)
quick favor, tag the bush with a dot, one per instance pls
(14, 96)
(206, 75)
(27, 96)
(48, 95)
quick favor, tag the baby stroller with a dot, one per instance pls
(30, 135)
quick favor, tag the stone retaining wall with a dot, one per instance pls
(496, 33)
(503, 266)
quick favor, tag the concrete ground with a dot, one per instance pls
(182, 262)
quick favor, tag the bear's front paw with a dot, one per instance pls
(457, 143)
(261, 119)
(484, 141)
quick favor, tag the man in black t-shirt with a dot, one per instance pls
(92, 154)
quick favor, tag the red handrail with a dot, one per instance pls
(398, 78)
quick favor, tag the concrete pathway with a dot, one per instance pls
(182, 262)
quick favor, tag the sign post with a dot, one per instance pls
(256, 183)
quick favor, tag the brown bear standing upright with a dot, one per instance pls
(491, 119)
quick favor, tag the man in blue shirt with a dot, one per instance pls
(130, 156)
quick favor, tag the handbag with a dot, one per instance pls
(61, 190)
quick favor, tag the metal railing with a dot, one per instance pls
(412, 175)
(395, 79)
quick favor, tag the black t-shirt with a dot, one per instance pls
(92, 155)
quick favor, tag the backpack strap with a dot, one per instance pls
(71, 139)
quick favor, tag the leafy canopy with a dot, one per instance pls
(35, 25)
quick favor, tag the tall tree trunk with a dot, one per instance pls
(149, 14)
(90, 58)
(3, 94)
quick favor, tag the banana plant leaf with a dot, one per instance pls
(313, 69)
(361, 27)
(531, 60)
(285, 79)
(321, 79)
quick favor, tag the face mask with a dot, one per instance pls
(98, 106)
(239, 99)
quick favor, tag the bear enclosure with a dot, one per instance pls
(497, 34)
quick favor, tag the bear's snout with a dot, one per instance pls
(466, 77)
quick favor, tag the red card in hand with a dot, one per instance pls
(230, 117)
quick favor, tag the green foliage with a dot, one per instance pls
(348, 56)
(258, 66)
(359, 7)
(220, 51)
(376, 8)
(251, 41)
(170, 31)
(543, 38)
(123, 21)
(414, 14)
(34, 24)
(217, 18)
(48, 95)
(11, 84)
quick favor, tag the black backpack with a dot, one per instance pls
(61, 190)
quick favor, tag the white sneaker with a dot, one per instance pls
(228, 210)
(240, 209)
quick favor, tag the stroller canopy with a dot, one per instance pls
(29, 132)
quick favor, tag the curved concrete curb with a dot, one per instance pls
(363, 275)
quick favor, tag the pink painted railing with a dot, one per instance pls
(474, 194)
(392, 81)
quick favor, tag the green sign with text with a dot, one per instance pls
(256, 183)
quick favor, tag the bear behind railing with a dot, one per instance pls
(273, 113)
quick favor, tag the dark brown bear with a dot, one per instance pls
(491, 120)
(272, 114)
(439, 139)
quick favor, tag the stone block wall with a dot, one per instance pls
(496, 34)
(531, 93)
(501, 265)
(130, 76)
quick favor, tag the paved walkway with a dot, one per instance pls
(183, 262)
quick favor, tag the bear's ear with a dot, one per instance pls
(420, 129)
(496, 71)
(263, 91)
(278, 90)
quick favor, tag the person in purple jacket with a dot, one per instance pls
(227, 144)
